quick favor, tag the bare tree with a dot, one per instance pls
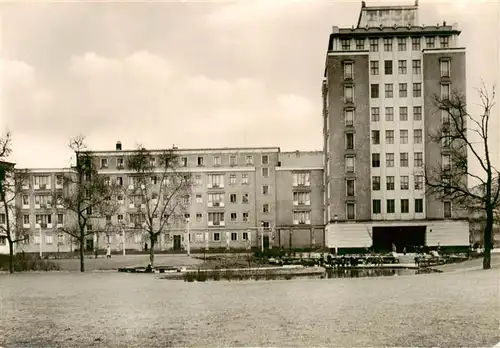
(86, 195)
(160, 192)
(10, 187)
(450, 179)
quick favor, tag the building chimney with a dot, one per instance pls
(174, 147)
(118, 146)
(363, 4)
(416, 2)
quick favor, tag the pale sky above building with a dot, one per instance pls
(195, 74)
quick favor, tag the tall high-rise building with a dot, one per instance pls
(381, 79)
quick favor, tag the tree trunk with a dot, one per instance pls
(11, 256)
(152, 250)
(82, 256)
(488, 239)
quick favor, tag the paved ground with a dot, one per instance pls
(470, 265)
(70, 309)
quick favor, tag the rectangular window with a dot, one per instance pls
(417, 136)
(348, 71)
(389, 92)
(445, 92)
(389, 113)
(217, 161)
(351, 211)
(388, 44)
(430, 42)
(348, 94)
(403, 113)
(232, 160)
(26, 201)
(265, 190)
(418, 159)
(104, 163)
(374, 90)
(376, 209)
(403, 136)
(374, 67)
(417, 90)
(265, 159)
(301, 198)
(233, 217)
(390, 183)
(244, 198)
(216, 199)
(349, 117)
(446, 138)
(444, 41)
(302, 179)
(216, 236)
(446, 162)
(248, 160)
(265, 172)
(375, 160)
(60, 219)
(26, 219)
(402, 67)
(389, 159)
(234, 236)
(232, 198)
(200, 161)
(345, 44)
(373, 45)
(405, 206)
(401, 44)
(349, 164)
(389, 137)
(245, 217)
(349, 141)
(184, 162)
(445, 117)
(216, 180)
(119, 163)
(416, 66)
(215, 219)
(403, 159)
(244, 179)
(350, 187)
(375, 112)
(301, 217)
(419, 182)
(245, 236)
(360, 44)
(388, 67)
(197, 180)
(376, 183)
(417, 113)
(444, 67)
(390, 206)
(415, 44)
(403, 90)
(447, 210)
(405, 184)
(375, 137)
(232, 179)
(419, 205)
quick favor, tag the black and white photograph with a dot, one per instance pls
(249, 173)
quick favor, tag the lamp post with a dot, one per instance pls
(123, 239)
(335, 218)
(188, 242)
(41, 241)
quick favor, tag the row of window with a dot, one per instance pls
(404, 182)
(43, 182)
(389, 113)
(402, 43)
(444, 68)
(200, 161)
(391, 207)
(403, 136)
(418, 160)
(389, 90)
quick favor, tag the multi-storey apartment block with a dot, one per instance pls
(381, 78)
(240, 197)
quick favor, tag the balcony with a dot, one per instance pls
(215, 204)
(119, 166)
(301, 222)
(216, 223)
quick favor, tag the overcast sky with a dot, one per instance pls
(195, 74)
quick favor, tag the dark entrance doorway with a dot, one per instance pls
(401, 236)
(89, 244)
(266, 242)
(177, 242)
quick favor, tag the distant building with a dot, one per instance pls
(380, 80)
(240, 196)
